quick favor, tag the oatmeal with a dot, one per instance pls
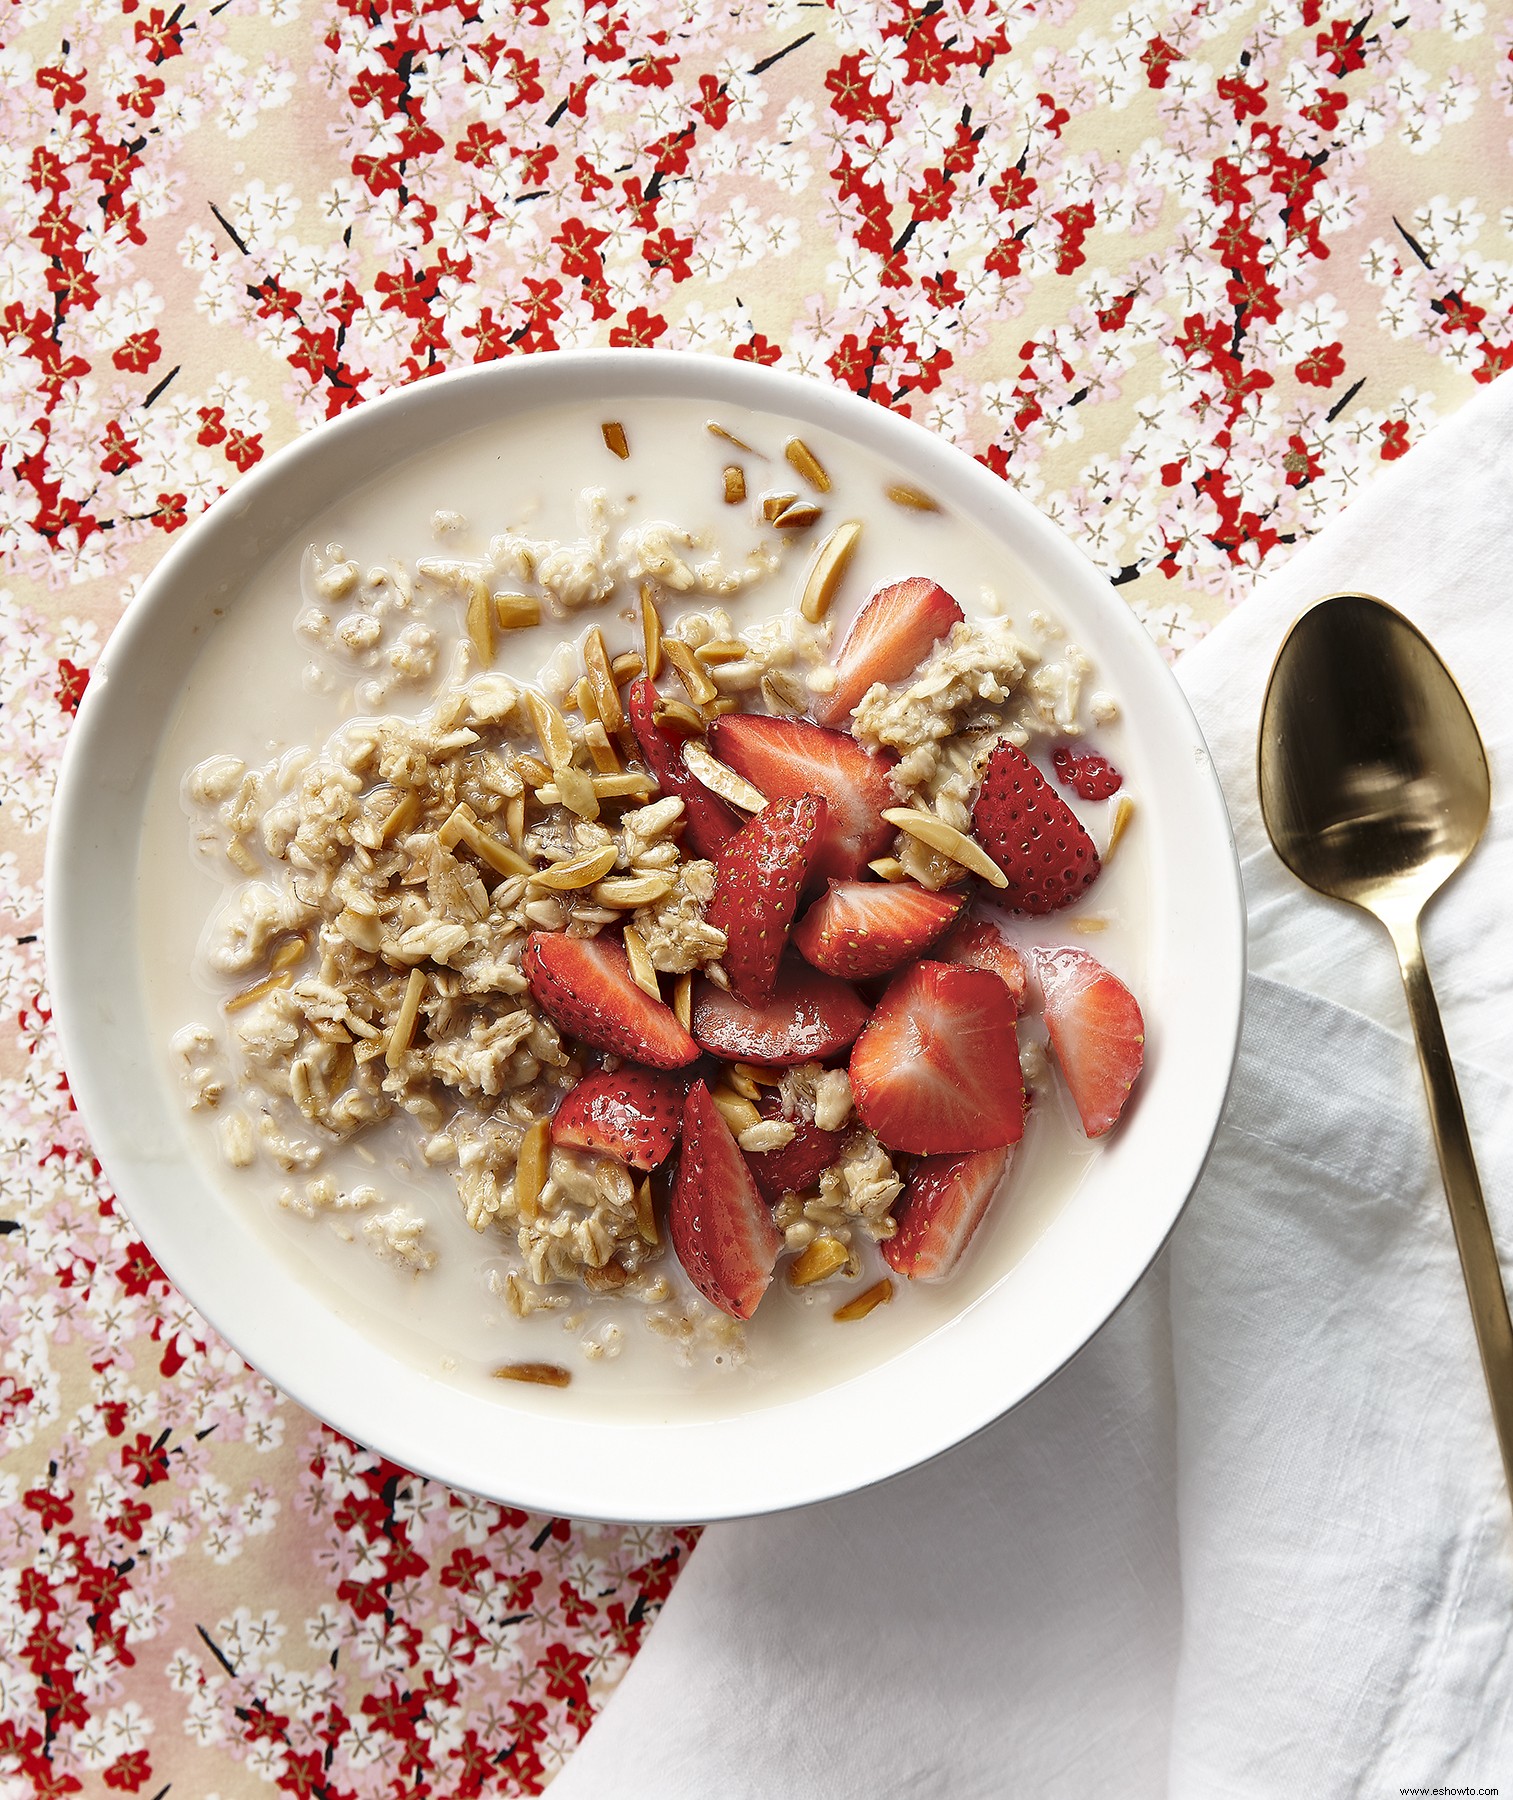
(569, 807)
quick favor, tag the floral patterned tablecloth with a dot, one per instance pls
(1185, 275)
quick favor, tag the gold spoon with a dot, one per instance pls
(1374, 789)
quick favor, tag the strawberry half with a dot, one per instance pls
(757, 882)
(808, 1017)
(865, 928)
(584, 986)
(937, 1069)
(1032, 834)
(631, 1114)
(784, 758)
(978, 944)
(708, 823)
(799, 1164)
(943, 1203)
(888, 640)
(1096, 1030)
(1089, 774)
(719, 1224)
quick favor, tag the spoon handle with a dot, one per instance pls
(1457, 1167)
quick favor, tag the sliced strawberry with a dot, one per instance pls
(1089, 774)
(979, 944)
(708, 823)
(757, 882)
(584, 985)
(942, 1204)
(720, 1226)
(937, 1069)
(799, 1164)
(784, 758)
(808, 1017)
(1032, 834)
(631, 1114)
(888, 640)
(864, 928)
(1097, 1033)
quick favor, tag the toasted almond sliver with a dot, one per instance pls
(950, 842)
(682, 1001)
(823, 1257)
(879, 1294)
(735, 484)
(889, 868)
(738, 1113)
(826, 570)
(699, 688)
(763, 1077)
(720, 779)
(514, 819)
(542, 1374)
(773, 504)
(717, 709)
(741, 1079)
(551, 729)
(807, 464)
(501, 857)
(268, 985)
(798, 517)
(578, 871)
(601, 751)
(480, 617)
(515, 612)
(626, 784)
(456, 822)
(1124, 812)
(721, 650)
(641, 970)
(402, 815)
(533, 770)
(576, 789)
(646, 1217)
(530, 1169)
(403, 1034)
(1090, 924)
(583, 699)
(730, 437)
(627, 666)
(651, 633)
(287, 954)
(634, 890)
(601, 678)
(901, 494)
(614, 438)
(678, 712)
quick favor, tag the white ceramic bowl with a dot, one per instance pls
(933, 1395)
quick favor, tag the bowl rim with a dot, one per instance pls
(733, 1465)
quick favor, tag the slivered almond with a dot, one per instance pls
(682, 1001)
(579, 871)
(602, 753)
(514, 819)
(583, 699)
(1090, 924)
(641, 970)
(901, 494)
(646, 1218)
(533, 769)
(798, 517)
(1124, 812)
(679, 713)
(551, 729)
(516, 612)
(268, 985)
(755, 1072)
(738, 1113)
(626, 667)
(403, 814)
(879, 1294)
(743, 1083)
(530, 1169)
(602, 680)
(542, 1374)
(576, 788)
(735, 484)
(730, 437)
(699, 688)
(651, 633)
(721, 650)
(615, 439)
(449, 835)
(287, 954)
(720, 779)
(889, 868)
(480, 619)
(826, 570)
(403, 1033)
(808, 465)
(950, 842)
(501, 857)
(633, 890)
(629, 784)
(773, 504)
(823, 1257)
(717, 709)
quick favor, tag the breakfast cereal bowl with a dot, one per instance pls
(440, 927)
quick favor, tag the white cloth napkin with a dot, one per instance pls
(1254, 1540)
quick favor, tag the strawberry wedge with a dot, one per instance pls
(1032, 834)
(757, 882)
(719, 1224)
(799, 1163)
(631, 1114)
(584, 986)
(866, 928)
(708, 823)
(979, 944)
(808, 1017)
(1097, 1033)
(936, 1072)
(943, 1203)
(890, 637)
(785, 758)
